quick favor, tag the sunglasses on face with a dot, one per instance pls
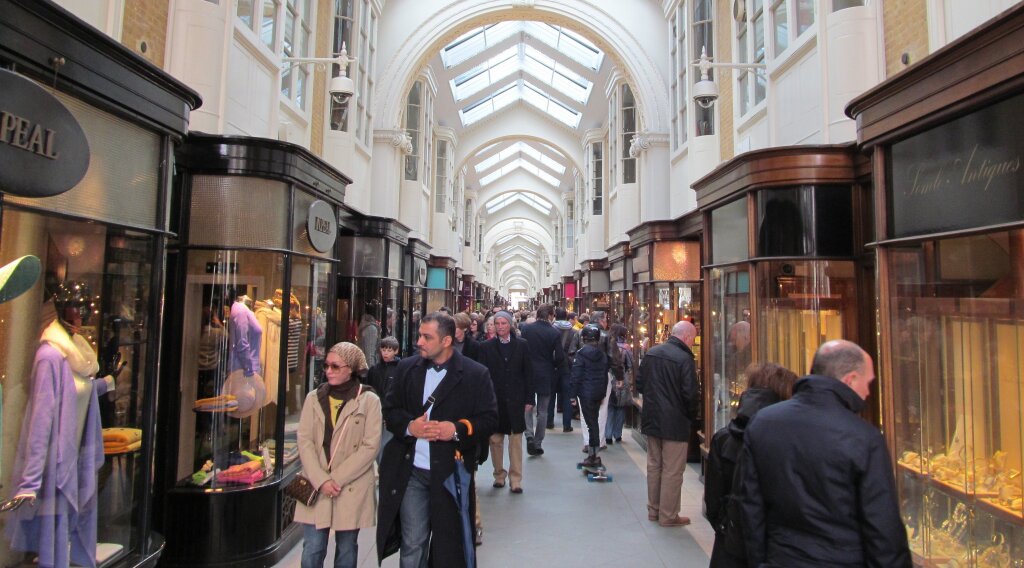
(334, 366)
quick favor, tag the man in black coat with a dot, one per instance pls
(549, 368)
(507, 357)
(438, 408)
(816, 483)
(668, 383)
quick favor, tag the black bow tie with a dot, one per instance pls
(437, 368)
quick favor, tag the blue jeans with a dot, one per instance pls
(415, 515)
(616, 418)
(314, 547)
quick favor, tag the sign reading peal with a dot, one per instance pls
(321, 225)
(43, 150)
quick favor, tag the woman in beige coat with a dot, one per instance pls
(341, 420)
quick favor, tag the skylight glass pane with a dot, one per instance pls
(544, 102)
(473, 42)
(506, 97)
(488, 179)
(485, 164)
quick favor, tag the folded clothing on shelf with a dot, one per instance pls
(220, 403)
(245, 473)
(121, 440)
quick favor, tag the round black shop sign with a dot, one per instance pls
(43, 150)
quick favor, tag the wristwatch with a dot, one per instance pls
(455, 434)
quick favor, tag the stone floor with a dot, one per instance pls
(562, 520)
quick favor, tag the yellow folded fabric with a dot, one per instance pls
(122, 435)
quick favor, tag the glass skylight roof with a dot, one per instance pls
(538, 203)
(519, 163)
(520, 90)
(525, 148)
(522, 59)
(529, 251)
(566, 41)
(508, 238)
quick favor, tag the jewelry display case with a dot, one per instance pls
(958, 375)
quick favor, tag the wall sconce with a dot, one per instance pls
(705, 91)
(341, 87)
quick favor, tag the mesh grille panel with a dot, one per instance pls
(121, 183)
(235, 211)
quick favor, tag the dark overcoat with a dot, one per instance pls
(465, 395)
(510, 377)
(668, 381)
(546, 355)
(816, 486)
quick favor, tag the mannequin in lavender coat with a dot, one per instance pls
(52, 510)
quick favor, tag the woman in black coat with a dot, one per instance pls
(767, 383)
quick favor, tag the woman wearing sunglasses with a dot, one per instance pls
(339, 435)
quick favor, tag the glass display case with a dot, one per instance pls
(729, 318)
(804, 303)
(957, 346)
(94, 293)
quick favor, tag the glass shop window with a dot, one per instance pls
(807, 304)
(242, 338)
(957, 346)
(730, 340)
(73, 362)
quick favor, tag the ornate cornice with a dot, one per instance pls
(644, 140)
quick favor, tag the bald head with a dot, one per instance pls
(685, 332)
(846, 362)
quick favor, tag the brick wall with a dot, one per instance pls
(905, 33)
(723, 77)
(145, 28)
(318, 115)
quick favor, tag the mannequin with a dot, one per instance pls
(245, 380)
(268, 314)
(53, 508)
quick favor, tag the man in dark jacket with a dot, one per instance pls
(437, 408)
(816, 482)
(668, 383)
(549, 368)
(590, 382)
(507, 357)
(570, 339)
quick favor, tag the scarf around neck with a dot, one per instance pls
(76, 350)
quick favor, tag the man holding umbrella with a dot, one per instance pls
(440, 406)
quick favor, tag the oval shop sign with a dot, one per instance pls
(43, 150)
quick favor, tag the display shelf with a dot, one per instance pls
(981, 501)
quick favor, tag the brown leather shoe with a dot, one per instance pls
(676, 522)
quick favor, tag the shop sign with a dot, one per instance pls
(963, 174)
(419, 271)
(43, 149)
(321, 226)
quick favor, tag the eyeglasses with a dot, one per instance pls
(334, 366)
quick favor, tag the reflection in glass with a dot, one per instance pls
(730, 336)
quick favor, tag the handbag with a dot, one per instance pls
(301, 488)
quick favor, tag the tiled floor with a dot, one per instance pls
(562, 520)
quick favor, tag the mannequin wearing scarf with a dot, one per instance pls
(59, 453)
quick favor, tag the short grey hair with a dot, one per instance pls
(598, 316)
(838, 358)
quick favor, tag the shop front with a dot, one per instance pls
(666, 289)
(250, 308)
(595, 287)
(947, 144)
(785, 266)
(441, 284)
(570, 294)
(370, 284)
(467, 299)
(88, 131)
(416, 254)
(620, 284)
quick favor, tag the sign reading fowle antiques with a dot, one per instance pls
(321, 226)
(966, 173)
(43, 150)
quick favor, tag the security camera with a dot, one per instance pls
(341, 89)
(705, 93)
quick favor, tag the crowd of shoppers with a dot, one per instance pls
(797, 478)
